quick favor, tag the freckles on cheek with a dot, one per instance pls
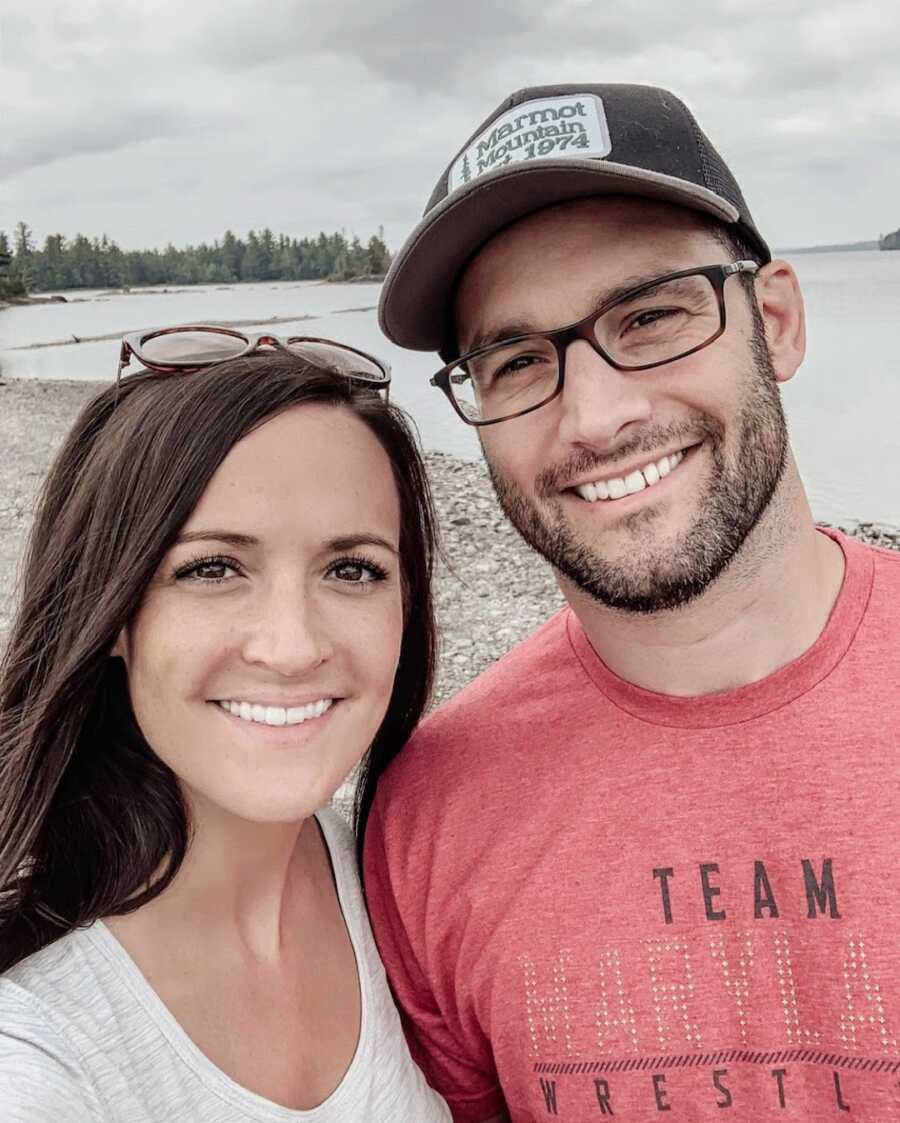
(168, 662)
(375, 640)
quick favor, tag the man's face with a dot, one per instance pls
(705, 433)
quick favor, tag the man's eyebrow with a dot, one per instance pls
(599, 297)
(337, 545)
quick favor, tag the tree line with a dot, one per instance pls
(81, 262)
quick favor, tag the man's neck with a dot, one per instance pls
(766, 610)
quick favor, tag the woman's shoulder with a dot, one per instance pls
(340, 842)
(338, 833)
(29, 1024)
(383, 1082)
(49, 975)
(41, 1076)
(71, 987)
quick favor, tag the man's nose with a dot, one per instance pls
(598, 401)
(288, 633)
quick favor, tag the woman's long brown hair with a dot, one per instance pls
(92, 823)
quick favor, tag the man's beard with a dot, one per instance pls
(670, 573)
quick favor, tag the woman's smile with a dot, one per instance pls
(280, 725)
(267, 713)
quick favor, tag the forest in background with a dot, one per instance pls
(99, 263)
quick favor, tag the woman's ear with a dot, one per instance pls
(120, 647)
(781, 306)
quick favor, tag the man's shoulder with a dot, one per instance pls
(881, 562)
(538, 652)
(484, 711)
(887, 555)
(523, 670)
(886, 559)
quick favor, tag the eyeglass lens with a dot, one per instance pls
(653, 327)
(202, 347)
(192, 347)
(340, 359)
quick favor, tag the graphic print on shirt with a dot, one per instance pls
(783, 1004)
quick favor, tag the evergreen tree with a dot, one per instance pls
(379, 258)
(9, 285)
(231, 253)
(267, 252)
(22, 255)
(252, 262)
(83, 262)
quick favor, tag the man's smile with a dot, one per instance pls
(632, 481)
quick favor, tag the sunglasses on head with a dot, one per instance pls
(192, 347)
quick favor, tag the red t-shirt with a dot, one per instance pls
(598, 901)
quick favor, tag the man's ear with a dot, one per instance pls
(781, 306)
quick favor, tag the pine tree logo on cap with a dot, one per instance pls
(574, 125)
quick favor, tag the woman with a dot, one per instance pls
(226, 602)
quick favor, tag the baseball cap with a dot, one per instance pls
(545, 145)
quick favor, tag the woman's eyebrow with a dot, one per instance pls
(335, 545)
(354, 541)
(229, 537)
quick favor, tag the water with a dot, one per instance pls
(843, 405)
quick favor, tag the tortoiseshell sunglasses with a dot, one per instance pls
(192, 347)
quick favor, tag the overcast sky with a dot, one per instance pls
(175, 120)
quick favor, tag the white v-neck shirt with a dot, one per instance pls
(85, 1039)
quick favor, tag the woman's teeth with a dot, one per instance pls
(620, 486)
(276, 715)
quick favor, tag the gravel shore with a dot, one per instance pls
(491, 589)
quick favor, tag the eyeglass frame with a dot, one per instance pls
(132, 342)
(562, 337)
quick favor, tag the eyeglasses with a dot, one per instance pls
(655, 323)
(192, 347)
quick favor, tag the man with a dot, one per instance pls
(647, 863)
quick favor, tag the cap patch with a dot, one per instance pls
(574, 125)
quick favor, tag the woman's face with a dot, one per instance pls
(261, 660)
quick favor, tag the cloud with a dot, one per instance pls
(102, 128)
(175, 121)
(422, 46)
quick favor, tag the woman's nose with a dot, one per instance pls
(289, 634)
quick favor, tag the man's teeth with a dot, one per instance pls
(619, 486)
(276, 715)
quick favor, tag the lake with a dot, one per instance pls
(843, 406)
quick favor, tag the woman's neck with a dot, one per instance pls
(238, 891)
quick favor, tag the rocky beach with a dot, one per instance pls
(491, 589)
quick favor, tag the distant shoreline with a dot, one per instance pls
(842, 247)
(60, 296)
(50, 296)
